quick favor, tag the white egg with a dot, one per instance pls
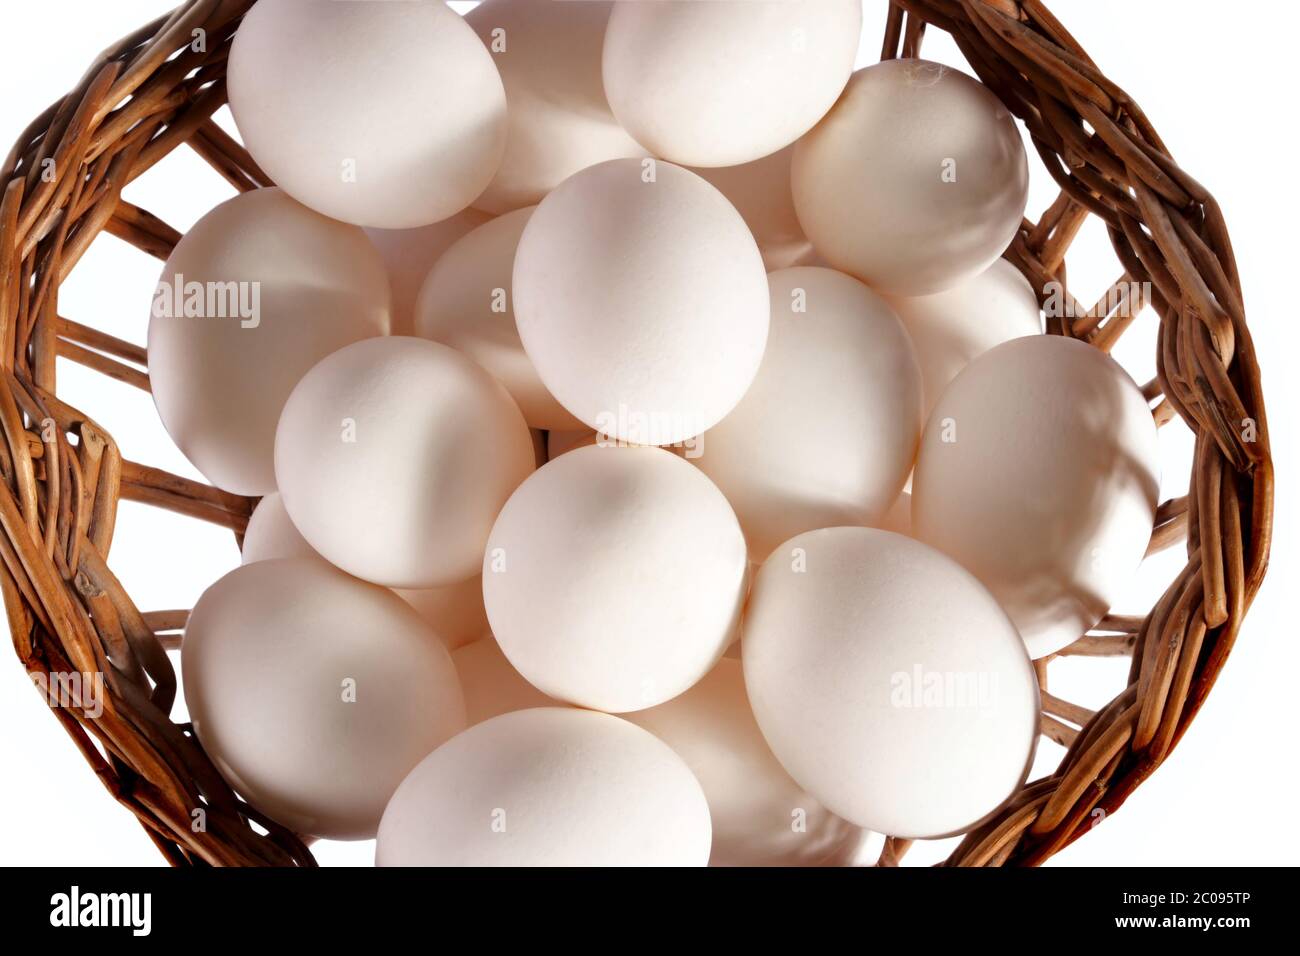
(315, 693)
(1038, 472)
(548, 787)
(409, 254)
(539, 446)
(491, 684)
(381, 114)
(827, 433)
(760, 191)
(614, 577)
(466, 302)
(898, 518)
(558, 442)
(257, 292)
(270, 534)
(641, 299)
(950, 328)
(455, 612)
(760, 816)
(915, 181)
(393, 457)
(873, 845)
(559, 120)
(730, 81)
(888, 682)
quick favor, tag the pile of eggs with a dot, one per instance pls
(593, 347)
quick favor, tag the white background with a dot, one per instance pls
(1219, 88)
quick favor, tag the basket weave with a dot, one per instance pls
(63, 475)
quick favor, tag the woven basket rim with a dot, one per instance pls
(63, 475)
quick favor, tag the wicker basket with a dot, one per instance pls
(63, 475)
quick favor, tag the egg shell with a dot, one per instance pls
(389, 115)
(409, 254)
(493, 687)
(491, 684)
(827, 433)
(393, 457)
(539, 447)
(915, 181)
(761, 193)
(614, 577)
(760, 816)
(549, 56)
(466, 303)
(642, 304)
(558, 442)
(548, 787)
(270, 534)
(950, 328)
(258, 291)
(898, 518)
(888, 682)
(730, 81)
(1039, 472)
(455, 612)
(315, 693)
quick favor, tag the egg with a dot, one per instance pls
(641, 299)
(558, 442)
(950, 328)
(559, 121)
(315, 693)
(409, 254)
(539, 446)
(491, 685)
(730, 81)
(455, 612)
(389, 115)
(548, 787)
(898, 518)
(760, 191)
(827, 433)
(760, 816)
(393, 457)
(257, 292)
(888, 682)
(915, 181)
(1038, 472)
(466, 303)
(614, 577)
(270, 534)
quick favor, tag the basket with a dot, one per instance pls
(63, 475)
